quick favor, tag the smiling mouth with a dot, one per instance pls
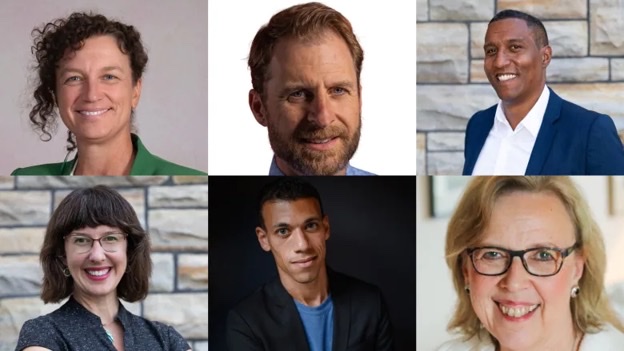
(98, 272)
(505, 77)
(516, 312)
(93, 113)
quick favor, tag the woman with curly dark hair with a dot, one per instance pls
(90, 73)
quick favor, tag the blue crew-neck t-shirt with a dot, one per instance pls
(318, 323)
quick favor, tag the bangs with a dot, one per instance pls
(93, 207)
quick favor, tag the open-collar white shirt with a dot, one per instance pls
(507, 151)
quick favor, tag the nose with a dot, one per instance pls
(516, 276)
(97, 253)
(91, 91)
(321, 111)
(300, 240)
(501, 59)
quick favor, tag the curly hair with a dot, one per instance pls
(305, 21)
(64, 36)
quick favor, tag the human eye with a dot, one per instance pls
(489, 51)
(311, 226)
(81, 240)
(544, 255)
(282, 231)
(298, 95)
(490, 254)
(515, 47)
(72, 80)
(111, 238)
(339, 91)
(109, 77)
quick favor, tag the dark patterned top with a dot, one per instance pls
(73, 328)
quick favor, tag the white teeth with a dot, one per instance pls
(93, 113)
(504, 77)
(517, 311)
(320, 141)
(98, 273)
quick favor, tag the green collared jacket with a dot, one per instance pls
(144, 164)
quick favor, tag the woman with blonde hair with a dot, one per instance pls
(552, 296)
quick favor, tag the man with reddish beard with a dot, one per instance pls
(310, 307)
(305, 70)
(532, 130)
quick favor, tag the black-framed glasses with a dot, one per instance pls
(539, 261)
(110, 242)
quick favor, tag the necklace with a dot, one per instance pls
(108, 333)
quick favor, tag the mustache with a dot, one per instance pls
(313, 132)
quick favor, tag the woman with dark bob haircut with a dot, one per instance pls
(90, 73)
(96, 252)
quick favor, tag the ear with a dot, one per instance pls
(136, 93)
(263, 239)
(257, 107)
(546, 55)
(579, 266)
(465, 267)
(326, 225)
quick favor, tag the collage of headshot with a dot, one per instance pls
(172, 175)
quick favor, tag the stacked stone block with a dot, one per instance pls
(174, 210)
(587, 38)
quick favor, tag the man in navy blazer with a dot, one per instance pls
(532, 130)
(310, 307)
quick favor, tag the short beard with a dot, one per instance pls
(310, 162)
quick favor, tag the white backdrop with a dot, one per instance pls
(172, 113)
(238, 145)
(435, 295)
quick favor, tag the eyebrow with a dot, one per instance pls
(533, 246)
(286, 225)
(105, 233)
(290, 87)
(507, 41)
(103, 69)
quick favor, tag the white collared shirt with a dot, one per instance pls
(507, 151)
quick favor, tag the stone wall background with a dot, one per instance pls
(587, 38)
(174, 210)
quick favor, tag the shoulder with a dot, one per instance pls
(573, 112)
(482, 117)
(146, 163)
(476, 343)
(608, 338)
(352, 171)
(39, 332)
(144, 327)
(43, 169)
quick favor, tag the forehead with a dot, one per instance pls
(522, 219)
(286, 211)
(322, 55)
(508, 29)
(95, 49)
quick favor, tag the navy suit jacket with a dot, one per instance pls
(268, 319)
(571, 141)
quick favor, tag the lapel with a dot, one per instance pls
(283, 307)
(479, 134)
(545, 136)
(342, 306)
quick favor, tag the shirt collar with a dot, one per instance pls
(351, 171)
(532, 121)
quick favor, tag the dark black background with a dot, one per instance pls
(373, 238)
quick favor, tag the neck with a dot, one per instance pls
(310, 294)
(105, 307)
(111, 158)
(568, 341)
(515, 111)
(289, 171)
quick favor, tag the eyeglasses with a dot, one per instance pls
(539, 261)
(110, 242)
